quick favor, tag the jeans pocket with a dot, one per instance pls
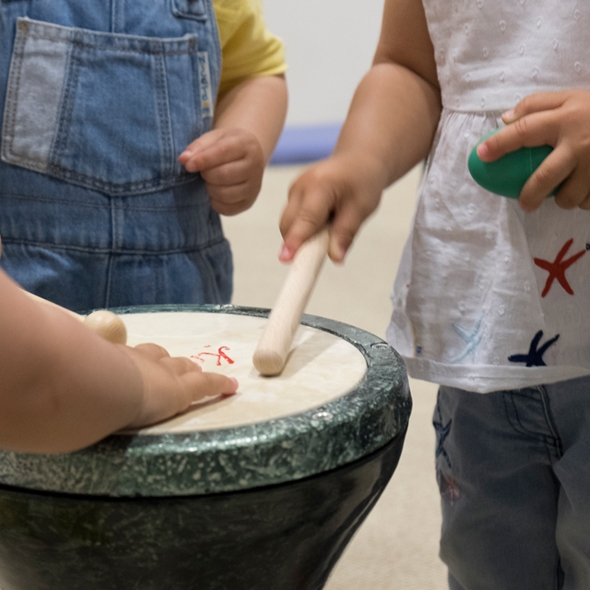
(106, 111)
(528, 415)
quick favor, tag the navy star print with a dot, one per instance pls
(534, 358)
(442, 431)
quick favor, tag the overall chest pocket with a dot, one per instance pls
(110, 112)
(194, 9)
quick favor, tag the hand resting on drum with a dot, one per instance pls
(62, 387)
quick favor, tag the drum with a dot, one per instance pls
(257, 491)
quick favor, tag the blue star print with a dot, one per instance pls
(472, 339)
(534, 358)
(442, 432)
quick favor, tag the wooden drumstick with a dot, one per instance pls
(275, 343)
(103, 322)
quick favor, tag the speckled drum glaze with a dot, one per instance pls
(264, 504)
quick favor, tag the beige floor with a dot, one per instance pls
(396, 548)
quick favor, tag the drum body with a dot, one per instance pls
(225, 496)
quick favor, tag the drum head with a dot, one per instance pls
(321, 367)
(342, 395)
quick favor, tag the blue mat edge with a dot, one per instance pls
(302, 144)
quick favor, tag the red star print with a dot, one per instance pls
(557, 269)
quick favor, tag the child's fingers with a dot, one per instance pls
(209, 384)
(574, 190)
(534, 103)
(528, 131)
(153, 351)
(212, 149)
(219, 147)
(341, 237)
(203, 143)
(231, 200)
(344, 228)
(307, 211)
(213, 156)
(556, 167)
(179, 365)
(228, 173)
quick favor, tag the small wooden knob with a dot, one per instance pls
(108, 325)
(103, 322)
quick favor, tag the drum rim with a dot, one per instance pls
(153, 465)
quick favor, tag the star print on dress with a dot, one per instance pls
(449, 489)
(557, 269)
(472, 339)
(442, 431)
(534, 358)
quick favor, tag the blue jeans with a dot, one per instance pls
(513, 469)
(98, 100)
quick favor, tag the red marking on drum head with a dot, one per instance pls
(219, 355)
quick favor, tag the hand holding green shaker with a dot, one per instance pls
(507, 175)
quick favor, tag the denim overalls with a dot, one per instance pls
(99, 97)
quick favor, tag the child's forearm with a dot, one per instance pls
(61, 386)
(258, 105)
(391, 122)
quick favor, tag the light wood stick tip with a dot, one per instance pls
(268, 362)
(108, 325)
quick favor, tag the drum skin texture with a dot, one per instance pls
(318, 475)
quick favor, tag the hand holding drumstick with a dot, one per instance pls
(274, 345)
(63, 388)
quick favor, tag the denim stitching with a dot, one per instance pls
(117, 42)
(109, 282)
(169, 176)
(66, 108)
(114, 227)
(100, 250)
(129, 207)
(216, 43)
(113, 15)
(167, 148)
(148, 51)
(12, 94)
(550, 423)
(212, 279)
(515, 421)
(110, 188)
(119, 189)
(176, 11)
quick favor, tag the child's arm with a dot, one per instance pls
(388, 130)
(62, 387)
(562, 120)
(232, 157)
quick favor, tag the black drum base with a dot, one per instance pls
(282, 537)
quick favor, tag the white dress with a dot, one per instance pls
(488, 297)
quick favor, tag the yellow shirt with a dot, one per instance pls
(248, 49)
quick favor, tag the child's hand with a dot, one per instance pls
(231, 162)
(562, 120)
(172, 384)
(337, 191)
